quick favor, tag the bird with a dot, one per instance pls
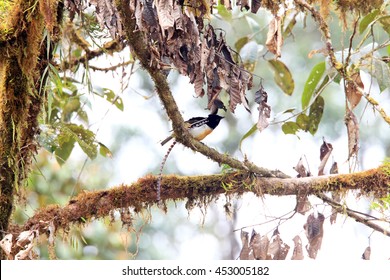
(199, 127)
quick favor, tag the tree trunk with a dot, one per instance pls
(23, 60)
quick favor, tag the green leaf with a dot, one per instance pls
(252, 130)
(224, 13)
(385, 22)
(311, 83)
(290, 128)
(367, 20)
(63, 151)
(110, 96)
(84, 137)
(55, 78)
(382, 74)
(240, 43)
(315, 115)
(303, 121)
(288, 30)
(72, 105)
(282, 76)
(104, 151)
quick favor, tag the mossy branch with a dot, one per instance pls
(142, 194)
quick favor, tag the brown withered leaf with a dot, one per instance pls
(325, 151)
(255, 6)
(277, 249)
(6, 244)
(298, 251)
(259, 246)
(261, 98)
(334, 169)
(217, 104)
(177, 38)
(353, 133)
(314, 232)
(245, 251)
(367, 253)
(352, 92)
(274, 40)
(303, 204)
(301, 169)
(107, 15)
(73, 6)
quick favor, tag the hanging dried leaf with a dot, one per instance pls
(334, 169)
(325, 151)
(172, 33)
(259, 246)
(367, 253)
(277, 249)
(255, 6)
(217, 104)
(245, 251)
(352, 92)
(303, 204)
(314, 233)
(298, 251)
(274, 37)
(261, 98)
(107, 15)
(6, 244)
(353, 133)
(301, 169)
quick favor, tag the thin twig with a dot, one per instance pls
(358, 216)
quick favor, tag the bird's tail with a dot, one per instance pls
(162, 167)
(166, 140)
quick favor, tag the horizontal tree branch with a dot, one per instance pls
(142, 194)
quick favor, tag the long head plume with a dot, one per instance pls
(161, 170)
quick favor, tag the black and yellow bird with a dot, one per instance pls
(199, 127)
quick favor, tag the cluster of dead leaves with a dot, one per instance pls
(259, 247)
(206, 60)
(20, 246)
(177, 38)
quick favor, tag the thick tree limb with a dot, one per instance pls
(142, 194)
